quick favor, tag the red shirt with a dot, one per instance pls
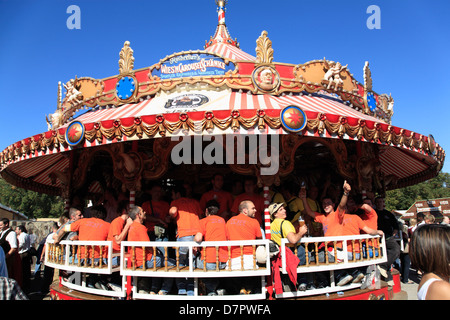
(224, 198)
(91, 229)
(257, 200)
(160, 210)
(213, 229)
(187, 218)
(115, 229)
(242, 227)
(138, 232)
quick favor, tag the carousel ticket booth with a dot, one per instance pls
(218, 109)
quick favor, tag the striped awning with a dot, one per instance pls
(229, 52)
(224, 100)
(401, 163)
(47, 166)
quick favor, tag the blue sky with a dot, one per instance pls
(407, 55)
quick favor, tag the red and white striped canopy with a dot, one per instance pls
(225, 100)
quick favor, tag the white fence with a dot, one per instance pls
(329, 254)
(81, 260)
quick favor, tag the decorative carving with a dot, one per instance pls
(127, 168)
(386, 102)
(266, 78)
(368, 167)
(155, 166)
(73, 96)
(332, 75)
(54, 120)
(367, 77)
(126, 61)
(264, 51)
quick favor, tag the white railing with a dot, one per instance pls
(372, 253)
(68, 256)
(239, 268)
(61, 256)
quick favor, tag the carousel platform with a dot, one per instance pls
(59, 292)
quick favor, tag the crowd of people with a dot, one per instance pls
(16, 252)
(175, 213)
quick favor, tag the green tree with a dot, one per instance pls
(30, 203)
(402, 199)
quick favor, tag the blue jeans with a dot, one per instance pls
(156, 282)
(370, 251)
(162, 249)
(185, 285)
(210, 283)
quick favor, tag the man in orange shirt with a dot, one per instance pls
(212, 228)
(244, 226)
(186, 212)
(251, 195)
(224, 198)
(363, 208)
(138, 232)
(118, 229)
(339, 223)
(94, 228)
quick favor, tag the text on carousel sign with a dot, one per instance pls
(192, 65)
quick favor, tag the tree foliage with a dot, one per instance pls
(402, 199)
(33, 204)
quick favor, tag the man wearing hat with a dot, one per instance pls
(278, 214)
(282, 228)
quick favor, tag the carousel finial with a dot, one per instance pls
(264, 51)
(221, 10)
(367, 77)
(126, 61)
(59, 102)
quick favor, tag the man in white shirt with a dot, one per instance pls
(24, 245)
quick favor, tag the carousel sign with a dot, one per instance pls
(192, 65)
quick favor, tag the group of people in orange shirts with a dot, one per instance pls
(216, 216)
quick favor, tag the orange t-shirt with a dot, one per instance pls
(93, 229)
(352, 225)
(242, 227)
(115, 229)
(224, 198)
(257, 200)
(160, 210)
(370, 219)
(213, 229)
(187, 219)
(138, 232)
(331, 223)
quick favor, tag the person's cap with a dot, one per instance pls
(274, 207)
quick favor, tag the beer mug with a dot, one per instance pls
(301, 222)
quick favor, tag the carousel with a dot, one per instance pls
(218, 109)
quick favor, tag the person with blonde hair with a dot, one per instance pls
(430, 253)
(429, 219)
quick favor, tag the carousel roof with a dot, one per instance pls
(218, 90)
